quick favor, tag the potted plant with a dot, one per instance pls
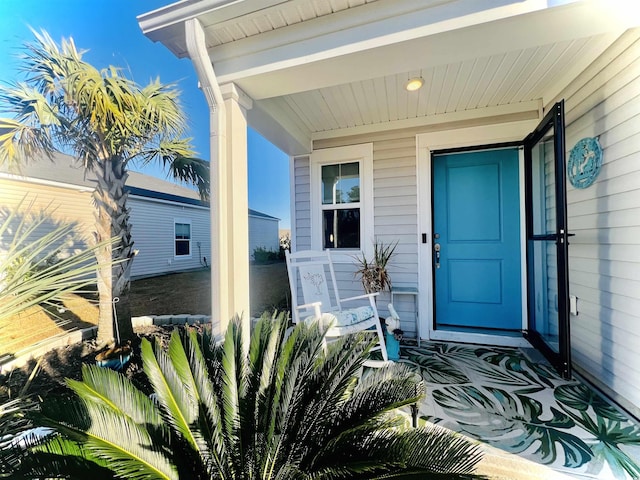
(373, 274)
(375, 278)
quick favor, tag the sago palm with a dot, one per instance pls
(106, 121)
(281, 407)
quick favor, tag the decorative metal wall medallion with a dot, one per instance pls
(584, 163)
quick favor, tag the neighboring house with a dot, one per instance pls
(482, 216)
(170, 224)
(263, 232)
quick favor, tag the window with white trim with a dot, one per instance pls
(341, 205)
(341, 197)
(182, 232)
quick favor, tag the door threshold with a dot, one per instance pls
(503, 338)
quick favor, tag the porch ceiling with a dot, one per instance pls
(318, 69)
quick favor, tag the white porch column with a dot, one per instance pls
(236, 203)
(229, 190)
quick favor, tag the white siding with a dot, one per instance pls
(153, 234)
(152, 223)
(263, 233)
(604, 101)
(64, 205)
(395, 215)
(301, 234)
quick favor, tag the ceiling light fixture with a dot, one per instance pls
(414, 84)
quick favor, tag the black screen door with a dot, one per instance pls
(547, 241)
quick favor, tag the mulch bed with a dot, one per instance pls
(66, 362)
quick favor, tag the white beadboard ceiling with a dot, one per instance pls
(514, 77)
(265, 20)
(323, 68)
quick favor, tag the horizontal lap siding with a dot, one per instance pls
(152, 223)
(153, 234)
(396, 220)
(604, 102)
(302, 214)
(62, 206)
(263, 233)
(395, 214)
(65, 204)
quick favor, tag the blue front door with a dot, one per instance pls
(477, 248)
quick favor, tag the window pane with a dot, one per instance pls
(341, 183)
(330, 176)
(341, 228)
(182, 247)
(183, 230)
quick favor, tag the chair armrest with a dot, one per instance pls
(316, 308)
(360, 297)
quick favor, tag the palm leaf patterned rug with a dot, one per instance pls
(500, 397)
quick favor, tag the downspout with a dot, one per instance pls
(197, 49)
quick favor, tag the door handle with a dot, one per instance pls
(436, 254)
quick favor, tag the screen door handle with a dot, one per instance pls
(436, 250)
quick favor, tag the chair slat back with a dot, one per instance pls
(312, 272)
(313, 280)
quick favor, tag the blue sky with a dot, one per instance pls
(108, 29)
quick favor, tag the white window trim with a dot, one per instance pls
(363, 154)
(185, 221)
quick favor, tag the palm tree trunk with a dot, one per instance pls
(112, 220)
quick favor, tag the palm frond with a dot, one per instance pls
(210, 417)
(115, 391)
(281, 408)
(233, 387)
(192, 387)
(60, 458)
(179, 408)
(102, 435)
(127, 446)
(382, 390)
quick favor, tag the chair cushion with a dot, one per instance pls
(345, 318)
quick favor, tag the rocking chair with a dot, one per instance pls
(310, 271)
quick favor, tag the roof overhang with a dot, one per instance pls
(285, 68)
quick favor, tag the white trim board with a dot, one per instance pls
(363, 154)
(460, 138)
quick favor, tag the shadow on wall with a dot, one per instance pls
(38, 223)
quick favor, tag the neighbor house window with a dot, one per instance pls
(182, 238)
(341, 197)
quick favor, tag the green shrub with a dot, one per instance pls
(261, 255)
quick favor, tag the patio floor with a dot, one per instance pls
(505, 399)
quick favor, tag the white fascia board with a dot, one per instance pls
(166, 24)
(533, 108)
(142, 198)
(49, 183)
(370, 50)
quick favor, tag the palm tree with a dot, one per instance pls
(107, 122)
(286, 409)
